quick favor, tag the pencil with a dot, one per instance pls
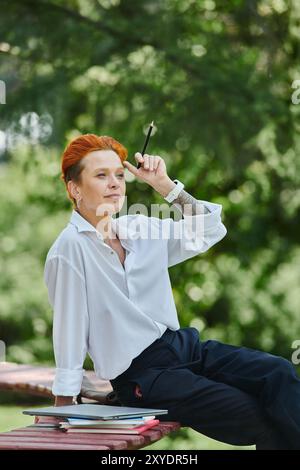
(146, 142)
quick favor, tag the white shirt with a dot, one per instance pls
(113, 312)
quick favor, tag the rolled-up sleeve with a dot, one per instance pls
(193, 234)
(67, 296)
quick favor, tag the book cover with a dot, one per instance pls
(114, 422)
(110, 426)
(136, 430)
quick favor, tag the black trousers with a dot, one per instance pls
(233, 394)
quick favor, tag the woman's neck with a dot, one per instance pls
(103, 224)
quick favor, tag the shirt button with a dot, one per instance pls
(112, 252)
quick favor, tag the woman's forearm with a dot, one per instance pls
(189, 204)
(63, 400)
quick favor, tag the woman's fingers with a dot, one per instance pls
(139, 157)
(146, 161)
(48, 420)
(156, 162)
(149, 162)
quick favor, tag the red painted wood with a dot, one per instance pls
(133, 440)
(24, 445)
(116, 445)
(163, 430)
(38, 380)
(34, 437)
(154, 435)
(169, 426)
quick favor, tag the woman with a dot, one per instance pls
(109, 287)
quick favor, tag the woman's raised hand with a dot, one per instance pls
(152, 170)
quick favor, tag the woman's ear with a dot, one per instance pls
(73, 191)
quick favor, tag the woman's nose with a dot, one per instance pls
(114, 182)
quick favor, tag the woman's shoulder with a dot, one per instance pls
(66, 245)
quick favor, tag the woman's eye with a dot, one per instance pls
(121, 175)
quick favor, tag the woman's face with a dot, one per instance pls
(103, 174)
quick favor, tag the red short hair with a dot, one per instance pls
(78, 148)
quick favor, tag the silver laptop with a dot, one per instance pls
(94, 411)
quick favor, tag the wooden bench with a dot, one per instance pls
(43, 438)
(37, 380)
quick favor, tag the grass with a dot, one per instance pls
(11, 417)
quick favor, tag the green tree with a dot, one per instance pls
(216, 78)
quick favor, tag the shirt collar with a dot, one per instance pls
(119, 225)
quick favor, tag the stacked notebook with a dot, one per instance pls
(117, 426)
(101, 418)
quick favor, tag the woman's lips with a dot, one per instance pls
(116, 196)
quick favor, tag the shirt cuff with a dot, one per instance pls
(67, 382)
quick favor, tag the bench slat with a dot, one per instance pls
(132, 439)
(9, 445)
(34, 437)
(116, 445)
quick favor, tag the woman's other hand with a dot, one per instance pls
(50, 420)
(55, 420)
(153, 171)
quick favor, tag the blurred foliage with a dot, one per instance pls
(216, 78)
